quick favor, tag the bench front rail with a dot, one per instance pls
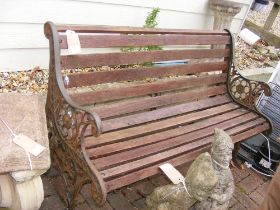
(115, 124)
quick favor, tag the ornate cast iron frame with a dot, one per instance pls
(67, 123)
(242, 90)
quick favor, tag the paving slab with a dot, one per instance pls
(256, 197)
(133, 197)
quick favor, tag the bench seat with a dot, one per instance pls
(135, 145)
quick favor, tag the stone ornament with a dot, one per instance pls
(209, 181)
(200, 180)
(224, 11)
(221, 154)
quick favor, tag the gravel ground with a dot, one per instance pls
(247, 56)
(34, 81)
(260, 17)
(257, 56)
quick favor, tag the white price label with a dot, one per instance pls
(172, 173)
(73, 42)
(28, 144)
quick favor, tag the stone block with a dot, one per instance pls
(244, 200)
(131, 193)
(119, 202)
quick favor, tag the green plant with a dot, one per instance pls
(150, 22)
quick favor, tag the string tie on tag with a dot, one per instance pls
(12, 132)
(186, 189)
(13, 137)
(29, 160)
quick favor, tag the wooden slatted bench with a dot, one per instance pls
(116, 125)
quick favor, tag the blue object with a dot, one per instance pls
(170, 63)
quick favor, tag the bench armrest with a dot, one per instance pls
(245, 91)
(68, 117)
(72, 119)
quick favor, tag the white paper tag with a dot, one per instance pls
(28, 144)
(73, 42)
(172, 173)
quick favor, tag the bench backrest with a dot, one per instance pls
(204, 57)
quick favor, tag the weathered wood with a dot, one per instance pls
(160, 157)
(272, 16)
(145, 89)
(251, 132)
(152, 102)
(152, 170)
(135, 30)
(270, 38)
(93, 78)
(119, 58)
(181, 159)
(153, 138)
(142, 105)
(144, 117)
(145, 150)
(97, 41)
(159, 126)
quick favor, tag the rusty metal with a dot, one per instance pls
(244, 91)
(66, 120)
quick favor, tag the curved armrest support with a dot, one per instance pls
(68, 117)
(242, 90)
(246, 91)
(72, 119)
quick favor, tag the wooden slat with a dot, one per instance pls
(249, 133)
(96, 41)
(160, 157)
(152, 102)
(152, 170)
(93, 78)
(148, 116)
(153, 138)
(182, 159)
(169, 143)
(134, 30)
(107, 59)
(158, 126)
(145, 89)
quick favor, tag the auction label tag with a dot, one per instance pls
(73, 42)
(172, 173)
(28, 144)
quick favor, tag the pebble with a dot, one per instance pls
(24, 81)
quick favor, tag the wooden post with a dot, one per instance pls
(272, 16)
(270, 38)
